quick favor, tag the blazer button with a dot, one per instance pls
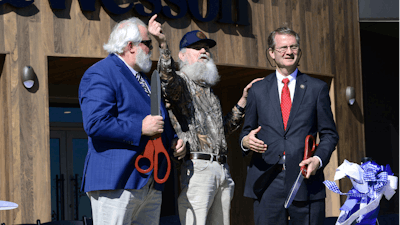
(285, 137)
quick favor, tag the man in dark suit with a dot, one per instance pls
(115, 104)
(281, 111)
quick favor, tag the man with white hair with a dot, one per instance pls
(115, 103)
(196, 115)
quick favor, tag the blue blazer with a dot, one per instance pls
(310, 114)
(113, 105)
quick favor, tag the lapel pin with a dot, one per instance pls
(302, 86)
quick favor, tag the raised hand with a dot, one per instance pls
(155, 29)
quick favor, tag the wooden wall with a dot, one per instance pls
(330, 44)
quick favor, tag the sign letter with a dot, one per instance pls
(18, 3)
(57, 4)
(212, 10)
(87, 5)
(242, 13)
(226, 12)
(156, 8)
(114, 8)
(182, 9)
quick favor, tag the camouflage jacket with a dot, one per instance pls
(195, 111)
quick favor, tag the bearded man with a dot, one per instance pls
(196, 115)
(115, 104)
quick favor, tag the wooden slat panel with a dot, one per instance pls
(39, 119)
(6, 171)
(47, 27)
(320, 40)
(2, 38)
(13, 154)
(259, 24)
(325, 35)
(332, 200)
(26, 101)
(315, 30)
(353, 115)
(303, 37)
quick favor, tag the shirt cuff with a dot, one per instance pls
(320, 161)
(241, 145)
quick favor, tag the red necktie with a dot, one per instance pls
(286, 102)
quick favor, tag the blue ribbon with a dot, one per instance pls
(376, 177)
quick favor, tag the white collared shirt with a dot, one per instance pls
(292, 83)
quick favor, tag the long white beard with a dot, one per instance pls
(143, 61)
(204, 72)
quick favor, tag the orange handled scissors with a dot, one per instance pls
(151, 151)
(308, 152)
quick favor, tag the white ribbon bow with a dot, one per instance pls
(362, 191)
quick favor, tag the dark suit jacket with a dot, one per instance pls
(113, 105)
(310, 114)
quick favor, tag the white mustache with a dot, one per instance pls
(204, 56)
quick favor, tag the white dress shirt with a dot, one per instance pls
(292, 83)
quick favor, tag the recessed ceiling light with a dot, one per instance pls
(67, 112)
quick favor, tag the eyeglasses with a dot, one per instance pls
(148, 44)
(198, 47)
(283, 49)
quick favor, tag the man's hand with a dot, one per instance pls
(152, 125)
(243, 100)
(179, 147)
(155, 29)
(251, 142)
(312, 165)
